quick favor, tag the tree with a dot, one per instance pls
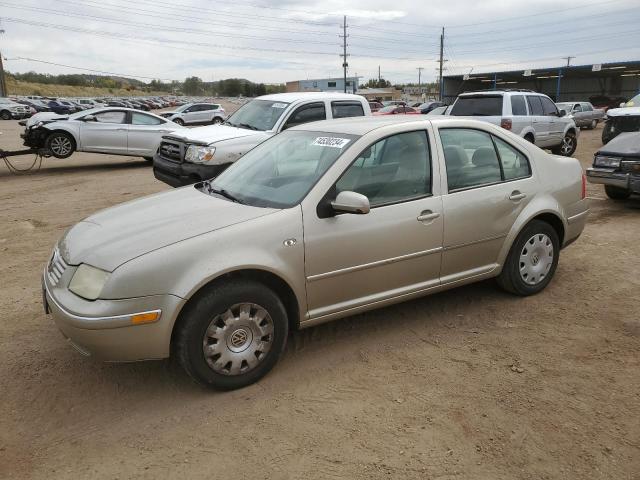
(375, 83)
(192, 86)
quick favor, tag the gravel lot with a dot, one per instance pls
(471, 383)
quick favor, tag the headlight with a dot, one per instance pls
(608, 162)
(199, 154)
(88, 281)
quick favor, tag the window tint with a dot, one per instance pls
(395, 168)
(518, 106)
(514, 164)
(587, 107)
(142, 119)
(111, 117)
(482, 105)
(535, 106)
(549, 107)
(470, 158)
(346, 109)
(204, 108)
(307, 113)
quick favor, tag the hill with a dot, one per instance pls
(17, 87)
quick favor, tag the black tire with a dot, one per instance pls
(179, 121)
(616, 193)
(511, 279)
(217, 121)
(529, 138)
(568, 145)
(149, 160)
(593, 125)
(194, 322)
(5, 115)
(60, 144)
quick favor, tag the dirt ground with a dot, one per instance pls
(468, 384)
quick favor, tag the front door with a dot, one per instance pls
(145, 133)
(107, 134)
(353, 260)
(489, 183)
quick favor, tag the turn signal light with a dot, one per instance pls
(506, 123)
(147, 317)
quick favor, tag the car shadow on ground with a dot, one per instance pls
(49, 167)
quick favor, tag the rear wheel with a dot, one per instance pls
(232, 335)
(532, 260)
(217, 121)
(179, 121)
(594, 124)
(616, 193)
(5, 115)
(60, 144)
(568, 145)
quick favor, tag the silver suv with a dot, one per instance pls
(197, 114)
(531, 115)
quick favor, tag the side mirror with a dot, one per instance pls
(351, 202)
(89, 118)
(563, 113)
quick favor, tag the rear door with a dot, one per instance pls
(107, 134)
(145, 133)
(192, 114)
(539, 121)
(556, 125)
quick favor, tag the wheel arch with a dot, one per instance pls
(68, 132)
(267, 278)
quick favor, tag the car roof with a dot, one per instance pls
(296, 96)
(363, 125)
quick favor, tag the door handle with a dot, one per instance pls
(427, 216)
(516, 196)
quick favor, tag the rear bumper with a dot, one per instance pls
(180, 174)
(621, 180)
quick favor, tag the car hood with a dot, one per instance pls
(624, 112)
(626, 144)
(215, 133)
(116, 235)
(45, 117)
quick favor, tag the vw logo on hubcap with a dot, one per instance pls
(238, 338)
(535, 259)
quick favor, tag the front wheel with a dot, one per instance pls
(179, 121)
(593, 125)
(568, 145)
(5, 115)
(616, 193)
(232, 335)
(60, 144)
(532, 260)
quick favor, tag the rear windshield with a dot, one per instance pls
(478, 106)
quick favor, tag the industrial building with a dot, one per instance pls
(323, 85)
(606, 83)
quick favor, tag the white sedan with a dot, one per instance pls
(112, 130)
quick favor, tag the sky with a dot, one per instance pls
(277, 41)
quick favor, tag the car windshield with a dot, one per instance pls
(280, 172)
(183, 107)
(485, 105)
(257, 115)
(565, 106)
(634, 102)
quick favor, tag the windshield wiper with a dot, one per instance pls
(222, 192)
(231, 124)
(247, 126)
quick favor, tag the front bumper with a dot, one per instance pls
(34, 137)
(20, 115)
(101, 328)
(607, 176)
(178, 174)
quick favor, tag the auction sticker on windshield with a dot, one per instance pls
(330, 142)
(279, 105)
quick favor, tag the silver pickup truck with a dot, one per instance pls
(583, 113)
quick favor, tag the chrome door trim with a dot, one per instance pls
(365, 266)
(488, 239)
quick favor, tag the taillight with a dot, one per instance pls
(584, 187)
(506, 123)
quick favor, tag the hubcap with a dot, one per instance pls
(237, 340)
(60, 145)
(536, 259)
(567, 144)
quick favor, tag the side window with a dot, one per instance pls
(518, 106)
(307, 113)
(394, 169)
(111, 117)
(587, 107)
(535, 106)
(204, 108)
(346, 109)
(549, 107)
(514, 164)
(142, 119)
(470, 158)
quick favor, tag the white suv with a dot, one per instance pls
(197, 114)
(531, 115)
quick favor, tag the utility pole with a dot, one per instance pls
(344, 51)
(3, 85)
(379, 77)
(420, 81)
(568, 60)
(441, 63)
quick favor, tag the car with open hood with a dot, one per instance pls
(319, 222)
(617, 166)
(115, 131)
(204, 152)
(619, 120)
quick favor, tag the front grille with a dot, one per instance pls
(56, 268)
(172, 150)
